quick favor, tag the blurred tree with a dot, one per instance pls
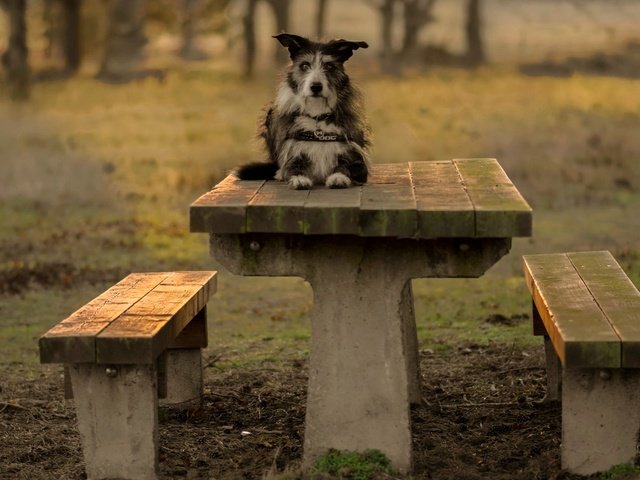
(475, 46)
(281, 9)
(321, 17)
(15, 58)
(250, 37)
(62, 24)
(416, 14)
(191, 10)
(71, 40)
(125, 40)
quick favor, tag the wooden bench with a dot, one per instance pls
(138, 340)
(589, 313)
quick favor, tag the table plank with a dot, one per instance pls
(580, 332)
(617, 297)
(277, 207)
(72, 340)
(444, 207)
(141, 333)
(388, 205)
(332, 211)
(223, 209)
(500, 209)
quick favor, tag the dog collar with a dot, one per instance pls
(318, 136)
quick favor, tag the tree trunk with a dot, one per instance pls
(189, 51)
(250, 38)
(386, 25)
(475, 48)
(417, 14)
(321, 18)
(125, 39)
(281, 10)
(15, 59)
(71, 35)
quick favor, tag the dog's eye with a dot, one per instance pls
(305, 66)
(329, 67)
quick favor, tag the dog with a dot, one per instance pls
(314, 132)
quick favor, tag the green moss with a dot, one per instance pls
(621, 472)
(353, 465)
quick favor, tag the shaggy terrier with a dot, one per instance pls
(315, 131)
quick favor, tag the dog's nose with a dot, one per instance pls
(316, 87)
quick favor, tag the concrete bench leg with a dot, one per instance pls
(182, 371)
(554, 371)
(358, 395)
(117, 419)
(600, 418)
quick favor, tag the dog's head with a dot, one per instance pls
(317, 73)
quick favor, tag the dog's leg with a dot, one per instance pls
(297, 173)
(350, 167)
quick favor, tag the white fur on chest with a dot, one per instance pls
(323, 156)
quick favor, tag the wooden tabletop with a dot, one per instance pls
(470, 198)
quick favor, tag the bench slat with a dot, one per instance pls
(148, 327)
(388, 205)
(617, 297)
(72, 340)
(230, 198)
(499, 208)
(580, 332)
(444, 207)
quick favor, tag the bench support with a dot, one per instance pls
(363, 368)
(117, 419)
(554, 371)
(182, 369)
(600, 418)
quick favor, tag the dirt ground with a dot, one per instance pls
(483, 417)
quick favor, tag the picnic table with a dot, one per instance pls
(359, 248)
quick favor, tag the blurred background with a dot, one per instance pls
(116, 114)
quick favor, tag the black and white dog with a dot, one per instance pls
(315, 132)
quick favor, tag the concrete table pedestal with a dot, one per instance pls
(363, 370)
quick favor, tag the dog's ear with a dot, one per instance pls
(343, 49)
(294, 43)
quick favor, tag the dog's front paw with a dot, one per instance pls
(300, 182)
(338, 180)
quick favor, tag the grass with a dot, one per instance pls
(99, 177)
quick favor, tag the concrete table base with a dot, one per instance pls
(363, 369)
(117, 420)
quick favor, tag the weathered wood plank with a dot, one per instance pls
(617, 297)
(500, 209)
(149, 326)
(223, 209)
(444, 207)
(388, 205)
(580, 332)
(72, 340)
(332, 211)
(277, 208)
